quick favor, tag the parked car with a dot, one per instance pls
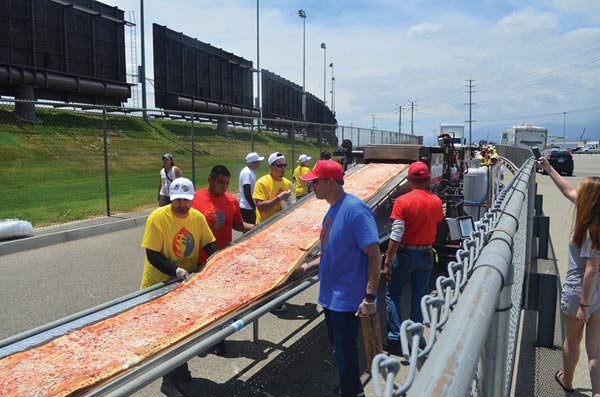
(560, 160)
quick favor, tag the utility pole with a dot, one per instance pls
(373, 128)
(412, 117)
(564, 125)
(399, 118)
(470, 104)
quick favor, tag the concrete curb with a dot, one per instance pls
(71, 232)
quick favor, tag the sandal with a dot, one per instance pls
(557, 376)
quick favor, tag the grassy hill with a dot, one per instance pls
(54, 171)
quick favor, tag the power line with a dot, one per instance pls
(541, 115)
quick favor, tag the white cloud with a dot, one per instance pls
(423, 29)
(589, 10)
(527, 23)
(386, 53)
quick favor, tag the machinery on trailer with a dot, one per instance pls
(465, 188)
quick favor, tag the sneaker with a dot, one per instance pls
(279, 309)
(219, 349)
(170, 389)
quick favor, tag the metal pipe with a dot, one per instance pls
(143, 63)
(106, 174)
(54, 324)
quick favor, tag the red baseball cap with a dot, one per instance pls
(325, 169)
(418, 170)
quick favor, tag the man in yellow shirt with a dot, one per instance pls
(271, 189)
(173, 238)
(301, 184)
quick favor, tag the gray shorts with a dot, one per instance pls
(569, 301)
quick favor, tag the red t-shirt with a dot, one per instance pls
(421, 211)
(221, 212)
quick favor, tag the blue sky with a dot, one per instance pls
(531, 61)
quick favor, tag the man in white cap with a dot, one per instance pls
(173, 238)
(301, 184)
(272, 189)
(246, 184)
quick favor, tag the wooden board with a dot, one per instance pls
(371, 336)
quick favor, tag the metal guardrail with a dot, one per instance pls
(473, 316)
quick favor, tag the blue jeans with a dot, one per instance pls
(342, 328)
(407, 265)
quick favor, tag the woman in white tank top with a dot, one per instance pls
(167, 174)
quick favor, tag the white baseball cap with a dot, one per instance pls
(252, 157)
(303, 158)
(275, 156)
(181, 188)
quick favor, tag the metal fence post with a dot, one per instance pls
(532, 204)
(495, 352)
(543, 234)
(106, 185)
(193, 151)
(548, 292)
(321, 139)
(539, 204)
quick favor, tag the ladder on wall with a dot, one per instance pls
(134, 62)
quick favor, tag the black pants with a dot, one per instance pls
(249, 216)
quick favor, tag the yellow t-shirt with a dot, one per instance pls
(178, 240)
(301, 185)
(267, 188)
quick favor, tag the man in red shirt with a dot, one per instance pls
(415, 216)
(222, 212)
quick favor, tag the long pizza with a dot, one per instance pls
(232, 278)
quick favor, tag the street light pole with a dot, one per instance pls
(302, 14)
(324, 47)
(143, 67)
(332, 89)
(258, 99)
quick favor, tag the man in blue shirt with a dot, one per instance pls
(349, 268)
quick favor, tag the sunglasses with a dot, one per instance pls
(283, 165)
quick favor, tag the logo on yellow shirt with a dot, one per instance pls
(183, 243)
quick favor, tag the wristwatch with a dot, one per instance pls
(370, 297)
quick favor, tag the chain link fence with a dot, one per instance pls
(467, 343)
(63, 163)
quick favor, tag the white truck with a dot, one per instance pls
(454, 130)
(525, 135)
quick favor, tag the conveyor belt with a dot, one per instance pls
(156, 365)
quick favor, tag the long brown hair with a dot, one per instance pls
(587, 217)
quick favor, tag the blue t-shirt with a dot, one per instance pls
(348, 228)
